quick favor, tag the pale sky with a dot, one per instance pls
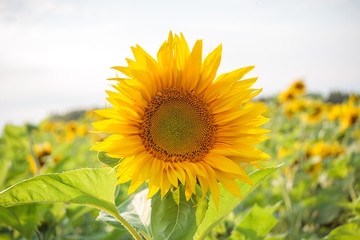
(55, 55)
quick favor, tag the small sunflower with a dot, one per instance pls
(174, 123)
(298, 87)
(41, 151)
(334, 112)
(349, 114)
(316, 110)
(285, 96)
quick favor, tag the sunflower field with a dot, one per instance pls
(310, 192)
(182, 153)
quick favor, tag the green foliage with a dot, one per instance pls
(228, 202)
(92, 187)
(309, 197)
(14, 146)
(173, 217)
(23, 218)
(256, 224)
(111, 162)
(349, 231)
(136, 210)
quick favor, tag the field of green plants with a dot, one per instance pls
(313, 193)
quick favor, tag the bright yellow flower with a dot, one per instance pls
(57, 159)
(315, 169)
(74, 129)
(315, 114)
(294, 106)
(349, 115)
(283, 152)
(334, 112)
(70, 130)
(32, 163)
(321, 149)
(41, 151)
(324, 150)
(296, 90)
(172, 122)
(337, 149)
(286, 96)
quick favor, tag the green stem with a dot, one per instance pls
(128, 227)
(351, 188)
(36, 160)
(38, 234)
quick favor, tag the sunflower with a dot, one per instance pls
(174, 123)
(316, 110)
(295, 106)
(298, 87)
(286, 96)
(41, 152)
(334, 112)
(296, 90)
(349, 114)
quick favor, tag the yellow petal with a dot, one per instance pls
(140, 174)
(189, 176)
(192, 67)
(154, 179)
(222, 163)
(172, 176)
(124, 70)
(209, 69)
(179, 172)
(229, 184)
(213, 185)
(223, 83)
(120, 145)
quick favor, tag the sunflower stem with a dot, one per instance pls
(35, 158)
(128, 227)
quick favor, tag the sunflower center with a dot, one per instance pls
(178, 126)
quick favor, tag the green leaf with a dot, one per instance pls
(173, 217)
(92, 187)
(201, 210)
(156, 218)
(136, 211)
(4, 168)
(228, 202)
(327, 205)
(256, 224)
(112, 162)
(349, 231)
(339, 167)
(23, 218)
(357, 207)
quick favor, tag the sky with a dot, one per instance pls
(55, 55)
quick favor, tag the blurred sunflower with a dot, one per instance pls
(173, 123)
(286, 96)
(41, 151)
(324, 150)
(295, 106)
(321, 149)
(334, 112)
(349, 114)
(315, 114)
(298, 88)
